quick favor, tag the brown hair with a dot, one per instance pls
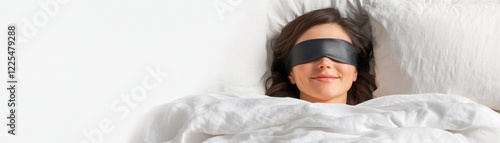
(280, 86)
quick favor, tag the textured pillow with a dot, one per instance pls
(444, 46)
(280, 12)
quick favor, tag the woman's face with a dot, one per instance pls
(324, 80)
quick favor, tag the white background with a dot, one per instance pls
(81, 62)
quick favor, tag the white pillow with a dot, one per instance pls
(244, 32)
(280, 12)
(444, 46)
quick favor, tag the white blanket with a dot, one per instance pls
(400, 118)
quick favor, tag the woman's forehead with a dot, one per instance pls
(327, 30)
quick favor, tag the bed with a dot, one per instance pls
(436, 70)
(193, 71)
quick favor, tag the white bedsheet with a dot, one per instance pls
(399, 118)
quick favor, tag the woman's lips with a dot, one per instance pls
(325, 78)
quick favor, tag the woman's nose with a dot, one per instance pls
(325, 63)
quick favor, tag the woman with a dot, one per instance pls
(303, 68)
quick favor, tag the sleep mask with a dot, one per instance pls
(310, 50)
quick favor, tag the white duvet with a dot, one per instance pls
(400, 118)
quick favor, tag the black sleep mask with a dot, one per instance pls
(310, 50)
